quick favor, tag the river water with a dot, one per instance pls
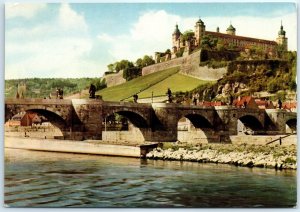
(45, 179)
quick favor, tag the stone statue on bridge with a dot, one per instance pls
(169, 94)
(92, 91)
(135, 98)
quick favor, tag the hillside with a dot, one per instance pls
(157, 82)
(277, 77)
(177, 82)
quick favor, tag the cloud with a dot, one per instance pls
(27, 11)
(70, 19)
(53, 49)
(153, 30)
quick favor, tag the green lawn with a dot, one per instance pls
(125, 90)
(176, 82)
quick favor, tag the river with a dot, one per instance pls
(45, 179)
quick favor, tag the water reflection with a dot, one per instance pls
(43, 179)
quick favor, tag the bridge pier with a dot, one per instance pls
(164, 126)
(89, 113)
(278, 119)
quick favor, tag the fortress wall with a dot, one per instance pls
(162, 66)
(114, 79)
(189, 65)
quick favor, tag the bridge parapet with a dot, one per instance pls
(38, 101)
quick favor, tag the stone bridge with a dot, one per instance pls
(80, 119)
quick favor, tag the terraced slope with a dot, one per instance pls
(176, 82)
(137, 85)
(157, 82)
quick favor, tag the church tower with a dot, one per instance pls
(281, 39)
(199, 31)
(175, 37)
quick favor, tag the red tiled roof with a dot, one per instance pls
(238, 103)
(223, 35)
(289, 105)
(264, 104)
(211, 104)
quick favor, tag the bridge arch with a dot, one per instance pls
(198, 121)
(52, 117)
(136, 118)
(291, 125)
(55, 119)
(194, 128)
(140, 132)
(249, 124)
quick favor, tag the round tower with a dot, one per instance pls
(281, 39)
(175, 36)
(230, 30)
(199, 31)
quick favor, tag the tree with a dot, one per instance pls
(131, 73)
(147, 60)
(187, 35)
(168, 51)
(208, 42)
(220, 45)
(111, 67)
(139, 62)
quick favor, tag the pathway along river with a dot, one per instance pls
(44, 179)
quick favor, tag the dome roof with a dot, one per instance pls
(176, 31)
(281, 31)
(231, 28)
(200, 22)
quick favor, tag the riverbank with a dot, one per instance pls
(83, 147)
(271, 156)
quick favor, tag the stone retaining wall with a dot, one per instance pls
(189, 65)
(84, 147)
(114, 79)
(162, 66)
(133, 135)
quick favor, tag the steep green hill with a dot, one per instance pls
(176, 82)
(126, 90)
(157, 82)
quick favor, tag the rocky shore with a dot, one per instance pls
(276, 156)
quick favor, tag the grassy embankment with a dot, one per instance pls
(156, 82)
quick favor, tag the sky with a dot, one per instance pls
(80, 40)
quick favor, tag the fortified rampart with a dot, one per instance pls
(114, 79)
(162, 66)
(190, 64)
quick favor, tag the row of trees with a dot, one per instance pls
(130, 69)
(42, 87)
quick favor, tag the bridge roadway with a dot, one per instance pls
(81, 119)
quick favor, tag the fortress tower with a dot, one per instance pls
(199, 31)
(230, 30)
(281, 39)
(176, 38)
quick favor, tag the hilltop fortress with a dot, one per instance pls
(187, 52)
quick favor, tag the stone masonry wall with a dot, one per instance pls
(189, 65)
(162, 66)
(114, 79)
